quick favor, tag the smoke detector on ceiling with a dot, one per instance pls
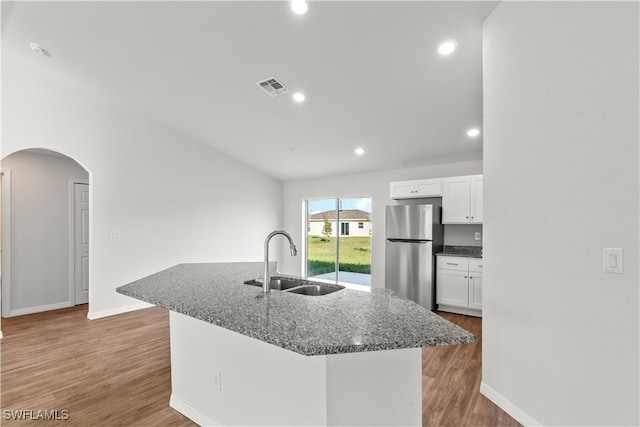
(272, 86)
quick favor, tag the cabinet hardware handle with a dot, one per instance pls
(479, 265)
(471, 217)
(465, 277)
(466, 217)
(470, 277)
(451, 263)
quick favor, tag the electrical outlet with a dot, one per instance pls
(217, 380)
(478, 235)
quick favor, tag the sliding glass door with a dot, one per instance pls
(339, 240)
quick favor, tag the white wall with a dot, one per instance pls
(40, 230)
(374, 185)
(561, 173)
(171, 198)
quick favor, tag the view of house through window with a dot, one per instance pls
(339, 240)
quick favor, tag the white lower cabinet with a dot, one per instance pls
(459, 285)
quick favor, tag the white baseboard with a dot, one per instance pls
(38, 309)
(460, 310)
(190, 412)
(506, 405)
(92, 315)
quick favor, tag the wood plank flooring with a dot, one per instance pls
(116, 372)
(113, 371)
(451, 378)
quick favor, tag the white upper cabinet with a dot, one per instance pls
(416, 189)
(462, 200)
(455, 200)
(475, 196)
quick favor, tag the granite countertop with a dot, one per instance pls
(346, 321)
(463, 251)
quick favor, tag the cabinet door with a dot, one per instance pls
(452, 288)
(402, 189)
(428, 188)
(476, 264)
(475, 206)
(455, 200)
(475, 290)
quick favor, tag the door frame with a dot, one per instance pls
(338, 234)
(72, 238)
(5, 292)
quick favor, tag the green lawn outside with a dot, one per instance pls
(355, 254)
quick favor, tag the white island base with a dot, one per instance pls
(220, 377)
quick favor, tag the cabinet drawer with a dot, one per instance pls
(475, 264)
(453, 263)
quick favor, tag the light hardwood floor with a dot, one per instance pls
(116, 372)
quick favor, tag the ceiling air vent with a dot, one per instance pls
(272, 86)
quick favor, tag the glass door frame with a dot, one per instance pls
(305, 227)
(305, 259)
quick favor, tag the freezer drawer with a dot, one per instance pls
(409, 271)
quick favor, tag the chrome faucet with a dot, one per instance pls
(267, 277)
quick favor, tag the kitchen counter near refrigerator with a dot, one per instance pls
(461, 251)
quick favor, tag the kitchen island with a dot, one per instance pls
(242, 357)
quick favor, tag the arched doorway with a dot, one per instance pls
(45, 232)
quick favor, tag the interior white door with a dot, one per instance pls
(81, 242)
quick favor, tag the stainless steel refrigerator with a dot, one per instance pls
(414, 234)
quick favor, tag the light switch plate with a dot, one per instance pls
(613, 260)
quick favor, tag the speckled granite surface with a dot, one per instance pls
(346, 321)
(466, 251)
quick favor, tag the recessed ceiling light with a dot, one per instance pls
(299, 97)
(359, 151)
(447, 47)
(473, 132)
(299, 7)
(40, 50)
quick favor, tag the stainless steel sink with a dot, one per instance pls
(278, 283)
(315, 290)
(298, 286)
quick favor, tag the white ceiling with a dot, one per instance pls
(369, 69)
